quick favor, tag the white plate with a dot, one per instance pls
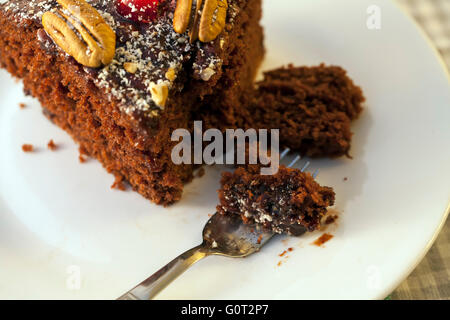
(59, 217)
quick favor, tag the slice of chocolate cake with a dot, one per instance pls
(288, 202)
(119, 78)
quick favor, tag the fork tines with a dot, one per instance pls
(297, 158)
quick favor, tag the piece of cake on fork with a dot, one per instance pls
(290, 201)
(119, 76)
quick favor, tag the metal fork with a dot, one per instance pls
(224, 235)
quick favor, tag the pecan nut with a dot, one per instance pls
(97, 44)
(213, 19)
(209, 18)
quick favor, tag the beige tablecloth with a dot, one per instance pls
(431, 279)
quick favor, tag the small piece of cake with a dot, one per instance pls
(329, 84)
(289, 202)
(312, 106)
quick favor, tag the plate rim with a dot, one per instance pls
(421, 255)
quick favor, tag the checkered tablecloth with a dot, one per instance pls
(434, 17)
(431, 279)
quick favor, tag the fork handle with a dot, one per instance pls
(153, 285)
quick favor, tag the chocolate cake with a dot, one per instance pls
(120, 79)
(288, 202)
(312, 106)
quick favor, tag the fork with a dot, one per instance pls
(224, 235)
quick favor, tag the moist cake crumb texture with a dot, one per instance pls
(312, 106)
(323, 239)
(288, 202)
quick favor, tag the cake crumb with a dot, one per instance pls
(283, 253)
(51, 145)
(27, 147)
(345, 178)
(118, 184)
(259, 239)
(279, 263)
(290, 249)
(323, 239)
(331, 219)
(22, 105)
(82, 158)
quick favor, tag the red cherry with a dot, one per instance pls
(139, 10)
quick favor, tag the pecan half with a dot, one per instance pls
(213, 19)
(98, 41)
(182, 15)
(209, 18)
